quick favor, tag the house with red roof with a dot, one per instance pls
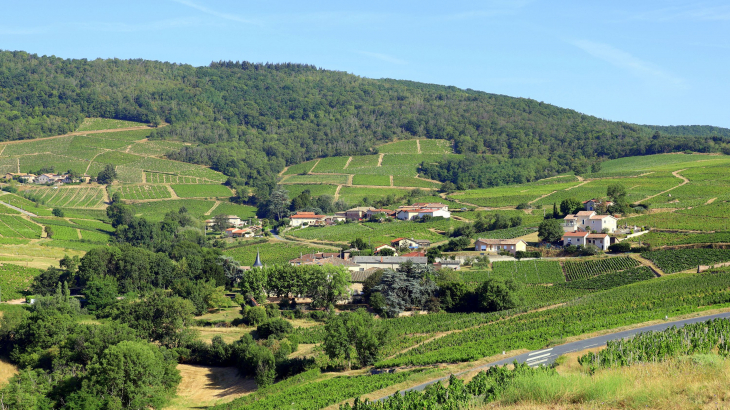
(577, 238)
(306, 218)
(585, 220)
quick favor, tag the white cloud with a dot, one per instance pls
(225, 16)
(626, 61)
(383, 57)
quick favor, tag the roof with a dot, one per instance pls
(570, 216)
(360, 209)
(362, 275)
(600, 216)
(429, 209)
(575, 234)
(585, 213)
(383, 245)
(420, 254)
(389, 259)
(436, 204)
(310, 216)
(500, 241)
(398, 240)
(597, 236)
(374, 210)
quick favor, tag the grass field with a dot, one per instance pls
(155, 211)
(380, 180)
(314, 189)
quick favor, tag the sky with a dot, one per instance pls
(647, 62)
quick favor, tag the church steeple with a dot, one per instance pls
(257, 263)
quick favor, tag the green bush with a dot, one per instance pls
(278, 328)
(254, 316)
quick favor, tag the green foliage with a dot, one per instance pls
(651, 347)
(130, 374)
(611, 279)
(550, 230)
(409, 286)
(278, 328)
(100, 293)
(107, 175)
(351, 335)
(532, 271)
(495, 295)
(95, 124)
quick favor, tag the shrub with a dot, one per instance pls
(278, 328)
(253, 316)
(620, 247)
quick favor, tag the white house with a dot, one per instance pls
(385, 262)
(575, 238)
(599, 240)
(585, 220)
(308, 218)
(497, 245)
(381, 247)
(421, 209)
(596, 204)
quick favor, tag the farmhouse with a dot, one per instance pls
(306, 218)
(575, 238)
(597, 204)
(20, 176)
(385, 262)
(496, 245)
(387, 212)
(409, 243)
(356, 214)
(599, 240)
(238, 233)
(421, 209)
(585, 220)
(447, 263)
(233, 220)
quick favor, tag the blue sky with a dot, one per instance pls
(648, 62)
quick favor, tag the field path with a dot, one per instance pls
(426, 179)
(315, 166)
(337, 192)
(18, 209)
(583, 182)
(380, 161)
(215, 205)
(349, 180)
(649, 264)
(418, 146)
(347, 164)
(283, 171)
(676, 174)
(91, 161)
(544, 196)
(391, 180)
(709, 201)
(172, 192)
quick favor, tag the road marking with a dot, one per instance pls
(538, 357)
(541, 351)
(533, 364)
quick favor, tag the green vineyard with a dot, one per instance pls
(587, 269)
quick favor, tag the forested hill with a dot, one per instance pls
(253, 119)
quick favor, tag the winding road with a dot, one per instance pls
(548, 356)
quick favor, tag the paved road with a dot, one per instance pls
(18, 209)
(276, 235)
(548, 356)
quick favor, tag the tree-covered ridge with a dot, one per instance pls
(253, 119)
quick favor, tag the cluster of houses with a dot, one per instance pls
(588, 227)
(404, 213)
(239, 228)
(49, 178)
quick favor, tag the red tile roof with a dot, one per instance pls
(576, 234)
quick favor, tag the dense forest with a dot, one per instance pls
(251, 120)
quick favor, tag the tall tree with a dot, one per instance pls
(354, 335)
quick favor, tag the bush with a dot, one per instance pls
(10, 188)
(58, 212)
(525, 254)
(620, 247)
(253, 316)
(278, 328)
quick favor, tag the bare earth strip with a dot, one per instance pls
(391, 180)
(380, 160)
(210, 385)
(337, 192)
(709, 201)
(649, 264)
(544, 196)
(348, 163)
(576, 186)
(676, 174)
(172, 192)
(215, 205)
(315, 166)
(418, 146)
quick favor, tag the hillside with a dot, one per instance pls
(254, 119)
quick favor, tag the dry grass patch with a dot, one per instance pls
(228, 334)
(7, 370)
(203, 386)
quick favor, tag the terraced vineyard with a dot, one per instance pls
(12, 226)
(161, 178)
(201, 191)
(272, 253)
(576, 270)
(677, 260)
(142, 192)
(508, 233)
(15, 279)
(611, 279)
(532, 271)
(68, 197)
